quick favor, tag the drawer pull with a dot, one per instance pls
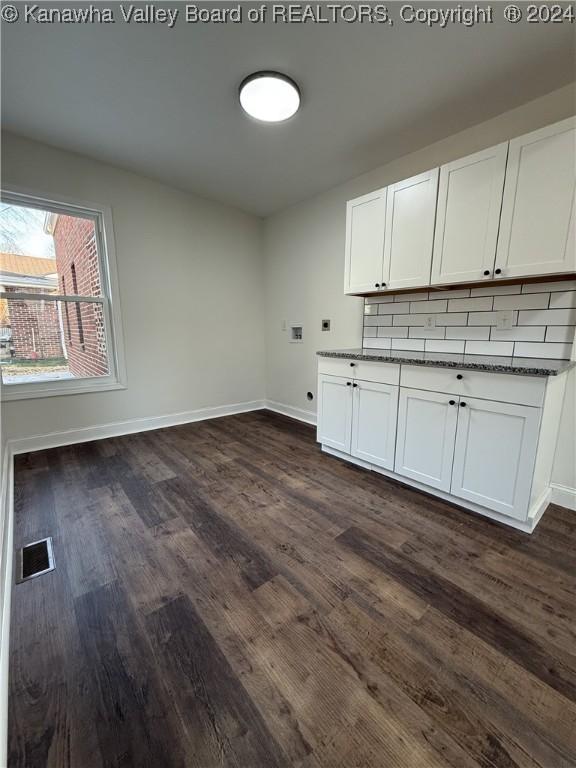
(352, 365)
(459, 376)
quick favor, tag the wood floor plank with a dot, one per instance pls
(226, 595)
(468, 611)
(226, 727)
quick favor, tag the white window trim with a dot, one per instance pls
(102, 216)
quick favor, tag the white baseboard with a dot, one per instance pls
(130, 426)
(563, 496)
(289, 410)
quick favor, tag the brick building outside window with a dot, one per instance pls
(55, 314)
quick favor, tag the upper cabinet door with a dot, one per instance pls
(537, 224)
(495, 453)
(410, 214)
(365, 222)
(469, 202)
(334, 412)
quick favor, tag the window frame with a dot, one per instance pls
(110, 300)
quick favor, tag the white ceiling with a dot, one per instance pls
(163, 102)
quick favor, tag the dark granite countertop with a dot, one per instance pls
(524, 366)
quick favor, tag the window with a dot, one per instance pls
(59, 322)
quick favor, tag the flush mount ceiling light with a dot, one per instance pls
(269, 96)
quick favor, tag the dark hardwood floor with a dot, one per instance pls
(226, 595)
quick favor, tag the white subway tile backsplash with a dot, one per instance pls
(470, 305)
(560, 285)
(434, 345)
(376, 343)
(456, 293)
(451, 318)
(563, 299)
(561, 333)
(426, 333)
(402, 308)
(412, 296)
(495, 290)
(390, 332)
(543, 320)
(547, 317)
(522, 301)
(409, 320)
(502, 348)
(416, 345)
(379, 299)
(468, 332)
(555, 351)
(428, 307)
(519, 333)
(488, 318)
(377, 320)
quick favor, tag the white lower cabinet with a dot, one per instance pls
(335, 412)
(374, 411)
(494, 455)
(491, 456)
(426, 432)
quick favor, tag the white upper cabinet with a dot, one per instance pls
(375, 407)
(467, 218)
(505, 212)
(410, 214)
(335, 412)
(365, 223)
(537, 224)
(495, 453)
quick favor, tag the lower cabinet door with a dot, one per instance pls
(495, 453)
(335, 412)
(374, 412)
(426, 433)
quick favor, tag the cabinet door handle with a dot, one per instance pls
(354, 385)
(462, 405)
(348, 383)
(452, 402)
(352, 365)
(376, 285)
(459, 376)
(497, 271)
(486, 272)
(383, 285)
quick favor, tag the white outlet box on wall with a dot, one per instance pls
(296, 335)
(504, 320)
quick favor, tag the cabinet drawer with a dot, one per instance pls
(366, 370)
(506, 388)
(335, 367)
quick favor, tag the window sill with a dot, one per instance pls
(56, 389)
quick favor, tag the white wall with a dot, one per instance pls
(304, 249)
(191, 285)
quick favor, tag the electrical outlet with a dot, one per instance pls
(430, 321)
(504, 319)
